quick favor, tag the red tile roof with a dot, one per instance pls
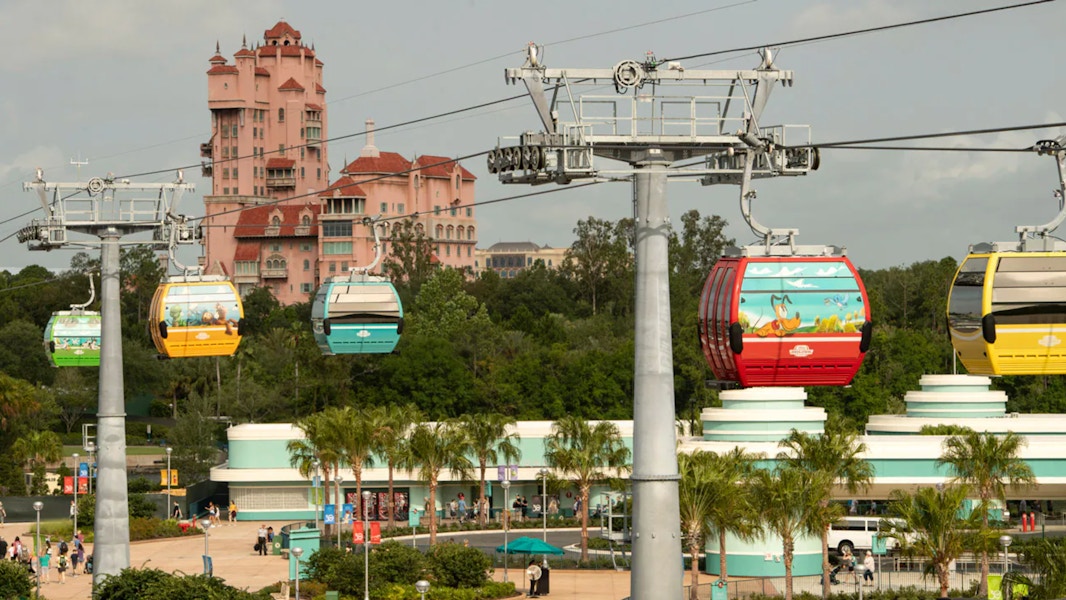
(280, 163)
(280, 29)
(262, 71)
(319, 88)
(291, 85)
(254, 221)
(271, 50)
(217, 58)
(246, 251)
(223, 70)
(345, 186)
(319, 63)
(244, 52)
(441, 167)
(313, 106)
(387, 162)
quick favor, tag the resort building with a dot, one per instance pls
(508, 259)
(263, 482)
(273, 217)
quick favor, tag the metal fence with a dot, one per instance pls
(898, 575)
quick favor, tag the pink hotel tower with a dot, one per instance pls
(268, 155)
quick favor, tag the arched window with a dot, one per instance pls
(305, 221)
(420, 229)
(451, 230)
(459, 231)
(440, 231)
(470, 233)
(275, 221)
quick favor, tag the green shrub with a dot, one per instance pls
(153, 584)
(336, 570)
(393, 562)
(457, 566)
(15, 580)
(498, 589)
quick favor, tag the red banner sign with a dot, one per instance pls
(357, 532)
(68, 485)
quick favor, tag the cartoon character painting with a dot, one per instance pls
(782, 325)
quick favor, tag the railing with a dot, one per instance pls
(281, 182)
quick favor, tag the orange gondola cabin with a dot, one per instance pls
(784, 321)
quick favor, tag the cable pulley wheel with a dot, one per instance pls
(96, 185)
(490, 159)
(628, 74)
(527, 158)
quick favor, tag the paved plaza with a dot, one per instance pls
(236, 562)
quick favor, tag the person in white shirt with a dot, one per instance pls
(868, 562)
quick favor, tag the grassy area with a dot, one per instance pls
(130, 451)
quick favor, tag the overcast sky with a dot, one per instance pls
(123, 84)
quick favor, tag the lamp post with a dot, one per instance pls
(37, 506)
(506, 485)
(91, 448)
(77, 472)
(1005, 541)
(422, 586)
(314, 490)
(297, 552)
(860, 569)
(366, 545)
(544, 508)
(206, 524)
(337, 509)
(169, 452)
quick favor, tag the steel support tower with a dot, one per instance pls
(650, 131)
(102, 212)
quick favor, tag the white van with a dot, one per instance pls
(852, 533)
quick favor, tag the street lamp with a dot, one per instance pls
(1005, 541)
(337, 509)
(314, 490)
(297, 552)
(544, 507)
(169, 452)
(506, 485)
(860, 569)
(37, 506)
(366, 545)
(91, 448)
(206, 524)
(422, 586)
(77, 472)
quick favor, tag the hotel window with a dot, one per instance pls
(470, 233)
(301, 133)
(468, 251)
(344, 266)
(335, 248)
(399, 208)
(307, 265)
(301, 172)
(436, 209)
(225, 154)
(302, 152)
(275, 247)
(233, 133)
(305, 288)
(337, 229)
(281, 115)
(332, 267)
(454, 211)
(447, 250)
(225, 131)
(469, 212)
(225, 173)
(225, 191)
(233, 152)
(235, 172)
(384, 207)
(275, 221)
(319, 174)
(305, 247)
(281, 149)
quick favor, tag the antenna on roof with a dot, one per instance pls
(78, 163)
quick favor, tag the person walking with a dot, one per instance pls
(462, 508)
(868, 562)
(62, 568)
(261, 541)
(849, 563)
(3, 515)
(175, 513)
(534, 573)
(79, 557)
(232, 512)
(75, 544)
(44, 563)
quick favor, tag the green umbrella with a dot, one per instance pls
(528, 545)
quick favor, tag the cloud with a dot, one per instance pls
(70, 30)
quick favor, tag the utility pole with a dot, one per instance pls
(650, 133)
(78, 164)
(100, 213)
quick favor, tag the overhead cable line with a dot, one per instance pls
(830, 36)
(928, 148)
(927, 136)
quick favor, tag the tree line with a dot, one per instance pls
(545, 344)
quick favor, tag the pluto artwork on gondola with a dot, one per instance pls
(778, 314)
(1007, 307)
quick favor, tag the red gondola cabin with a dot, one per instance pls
(784, 321)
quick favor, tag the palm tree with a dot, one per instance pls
(390, 441)
(835, 454)
(586, 454)
(927, 524)
(704, 489)
(989, 464)
(1046, 559)
(489, 441)
(38, 448)
(357, 432)
(787, 500)
(319, 445)
(432, 448)
(731, 514)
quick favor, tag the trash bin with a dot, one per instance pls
(543, 588)
(719, 590)
(275, 548)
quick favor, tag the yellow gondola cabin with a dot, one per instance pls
(196, 316)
